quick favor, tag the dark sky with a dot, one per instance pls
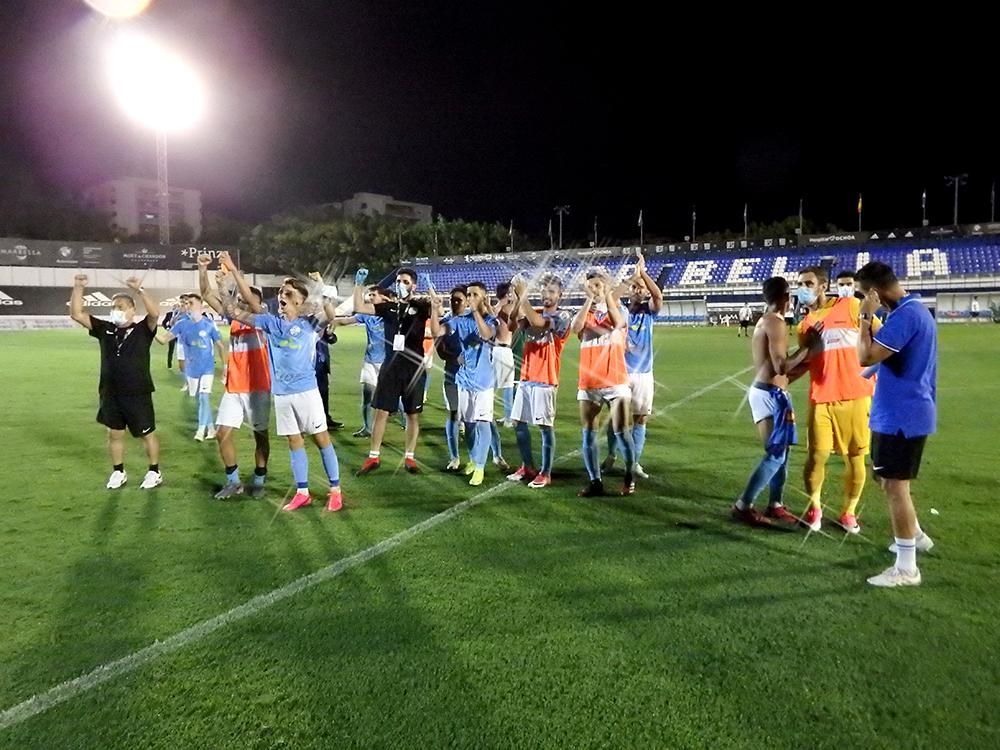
(502, 111)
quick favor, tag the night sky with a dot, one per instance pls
(503, 111)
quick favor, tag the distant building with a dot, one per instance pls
(373, 204)
(134, 206)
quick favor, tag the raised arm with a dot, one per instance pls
(151, 305)
(76, 311)
(655, 293)
(524, 308)
(870, 352)
(580, 319)
(615, 309)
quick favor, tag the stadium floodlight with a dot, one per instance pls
(160, 91)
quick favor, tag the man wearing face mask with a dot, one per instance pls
(904, 408)
(126, 387)
(839, 397)
(401, 377)
(449, 349)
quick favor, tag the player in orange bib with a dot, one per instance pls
(247, 377)
(602, 325)
(839, 396)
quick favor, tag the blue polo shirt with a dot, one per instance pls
(905, 397)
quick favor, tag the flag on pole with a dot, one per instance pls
(859, 204)
(923, 200)
(640, 219)
(744, 213)
(510, 232)
(552, 242)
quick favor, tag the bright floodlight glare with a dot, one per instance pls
(154, 86)
(118, 8)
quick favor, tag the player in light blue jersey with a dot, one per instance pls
(474, 329)
(298, 406)
(645, 301)
(200, 338)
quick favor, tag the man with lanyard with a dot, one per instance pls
(401, 377)
(771, 407)
(544, 333)
(600, 324)
(126, 387)
(475, 329)
(298, 407)
(247, 380)
(645, 302)
(839, 396)
(904, 407)
(201, 340)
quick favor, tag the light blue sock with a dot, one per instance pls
(233, 477)
(523, 435)
(495, 440)
(258, 479)
(366, 406)
(548, 449)
(331, 464)
(204, 411)
(639, 440)
(508, 403)
(627, 448)
(481, 442)
(300, 468)
(590, 457)
(769, 465)
(451, 437)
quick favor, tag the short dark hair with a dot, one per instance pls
(258, 293)
(819, 272)
(194, 296)
(122, 295)
(479, 284)
(775, 288)
(182, 297)
(298, 285)
(409, 272)
(503, 289)
(596, 273)
(846, 274)
(876, 274)
(461, 289)
(550, 278)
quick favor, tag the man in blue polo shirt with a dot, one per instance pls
(904, 410)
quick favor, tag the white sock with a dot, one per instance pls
(906, 554)
(374, 454)
(408, 454)
(740, 505)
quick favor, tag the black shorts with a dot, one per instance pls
(744, 324)
(974, 313)
(134, 411)
(400, 381)
(897, 456)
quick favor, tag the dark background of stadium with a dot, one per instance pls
(501, 111)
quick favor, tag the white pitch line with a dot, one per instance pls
(71, 688)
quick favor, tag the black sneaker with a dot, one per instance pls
(594, 489)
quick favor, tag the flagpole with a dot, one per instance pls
(694, 220)
(993, 201)
(923, 208)
(595, 231)
(859, 212)
(800, 216)
(641, 233)
(746, 227)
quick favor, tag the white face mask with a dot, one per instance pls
(845, 291)
(403, 290)
(118, 317)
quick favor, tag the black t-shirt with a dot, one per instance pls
(124, 356)
(408, 318)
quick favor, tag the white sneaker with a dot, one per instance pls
(151, 480)
(210, 434)
(117, 479)
(508, 423)
(893, 577)
(924, 544)
(200, 434)
(639, 471)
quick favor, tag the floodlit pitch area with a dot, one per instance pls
(444, 615)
